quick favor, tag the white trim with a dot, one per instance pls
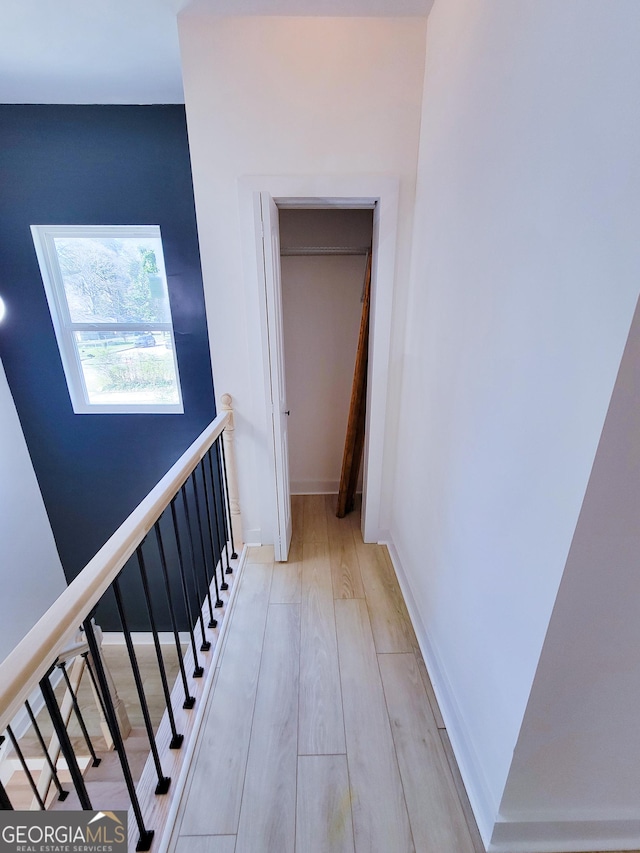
(500, 835)
(366, 191)
(329, 203)
(485, 809)
(254, 537)
(558, 836)
(44, 241)
(170, 825)
(315, 487)
(277, 390)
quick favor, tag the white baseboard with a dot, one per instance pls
(253, 537)
(315, 487)
(499, 835)
(564, 836)
(318, 487)
(163, 843)
(482, 803)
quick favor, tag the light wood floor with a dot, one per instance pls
(321, 732)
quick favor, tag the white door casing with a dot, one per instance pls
(379, 192)
(278, 383)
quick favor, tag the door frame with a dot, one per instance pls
(270, 215)
(349, 191)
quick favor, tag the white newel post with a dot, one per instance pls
(232, 475)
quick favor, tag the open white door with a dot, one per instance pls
(278, 386)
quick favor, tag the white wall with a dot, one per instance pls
(31, 575)
(322, 309)
(577, 759)
(525, 275)
(287, 96)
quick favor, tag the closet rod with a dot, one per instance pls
(323, 250)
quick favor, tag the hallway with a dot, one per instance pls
(321, 732)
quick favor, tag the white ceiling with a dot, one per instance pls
(126, 51)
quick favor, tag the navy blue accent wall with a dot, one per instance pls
(96, 165)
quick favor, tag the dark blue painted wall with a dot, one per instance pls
(96, 165)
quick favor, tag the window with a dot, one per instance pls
(107, 293)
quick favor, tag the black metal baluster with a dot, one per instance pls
(176, 739)
(223, 522)
(212, 622)
(214, 503)
(234, 555)
(189, 701)
(223, 584)
(146, 835)
(5, 802)
(95, 760)
(65, 743)
(198, 670)
(219, 601)
(32, 784)
(62, 794)
(163, 781)
(206, 645)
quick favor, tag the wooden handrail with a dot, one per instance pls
(23, 668)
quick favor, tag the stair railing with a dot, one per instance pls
(181, 542)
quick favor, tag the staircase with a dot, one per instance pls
(103, 782)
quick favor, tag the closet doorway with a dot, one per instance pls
(323, 257)
(263, 199)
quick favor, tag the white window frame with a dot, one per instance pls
(43, 238)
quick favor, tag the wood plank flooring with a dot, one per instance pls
(320, 722)
(321, 734)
